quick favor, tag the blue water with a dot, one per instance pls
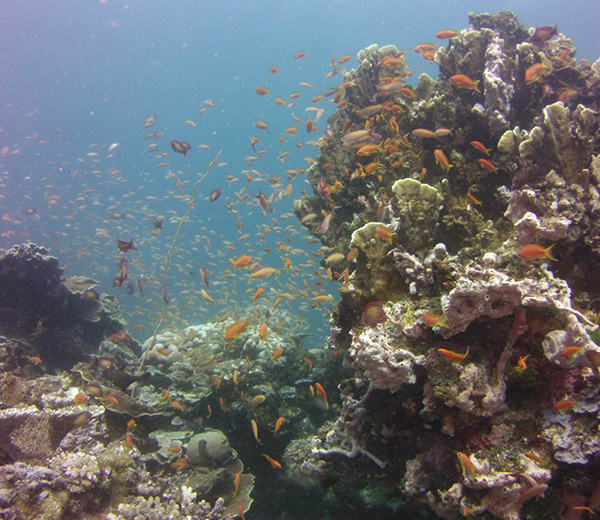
(78, 76)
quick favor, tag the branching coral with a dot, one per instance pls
(155, 508)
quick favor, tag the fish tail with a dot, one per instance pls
(442, 321)
(549, 254)
(476, 86)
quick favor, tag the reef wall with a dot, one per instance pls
(466, 210)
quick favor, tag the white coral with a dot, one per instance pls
(81, 470)
(379, 356)
(489, 292)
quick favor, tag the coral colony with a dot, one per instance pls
(462, 217)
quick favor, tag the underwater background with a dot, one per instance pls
(299, 260)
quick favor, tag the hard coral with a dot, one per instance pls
(155, 508)
(417, 206)
(378, 355)
(539, 185)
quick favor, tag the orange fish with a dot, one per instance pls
(447, 33)
(277, 354)
(309, 363)
(466, 463)
(242, 261)
(462, 81)
(442, 160)
(80, 398)
(278, 424)
(384, 233)
(424, 133)
(522, 363)
(237, 484)
(128, 442)
(570, 352)
(450, 355)
(180, 463)
(368, 149)
(259, 292)
(264, 272)
(391, 62)
(351, 255)
(481, 147)
(533, 457)
(261, 91)
(323, 394)
(165, 396)
(532, 492)
(300, 54)
(177, 405)
(235, 330)
(425, 47)
(431, 320)
(273, 69)
(563, 405)
(255, 430)
(241, 512)
(263, 331)
(273, 462)
(536, 252)
(535, 73)
(488, 165)
(474, 200)
(109, 399)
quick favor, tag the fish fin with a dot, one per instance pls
(549, 254)
(442, 321)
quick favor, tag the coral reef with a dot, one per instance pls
(464, 215)
(474, 215)
(78, 443)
